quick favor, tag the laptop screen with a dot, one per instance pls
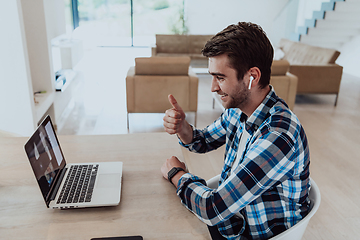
(45, 156)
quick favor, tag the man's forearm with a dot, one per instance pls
(186, 134)
(177, 177)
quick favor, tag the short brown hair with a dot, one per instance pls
(247, 46)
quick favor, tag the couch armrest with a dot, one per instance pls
(292, 89)
(130, 98)
(193, 95)
(317, 78)
(279, 67)
(285, 88)
(153, 51)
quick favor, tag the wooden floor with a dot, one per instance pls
(333, 133)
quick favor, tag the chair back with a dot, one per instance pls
(162, 66)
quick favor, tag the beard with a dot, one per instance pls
(237, 98)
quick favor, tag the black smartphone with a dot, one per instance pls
(120, 238)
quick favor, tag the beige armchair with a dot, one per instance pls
(284, 83)
(149, 83)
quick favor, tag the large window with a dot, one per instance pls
(126, 22)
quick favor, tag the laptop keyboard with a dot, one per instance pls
(79, 184)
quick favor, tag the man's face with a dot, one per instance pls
(233, 92)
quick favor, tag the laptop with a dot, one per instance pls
(74, 185)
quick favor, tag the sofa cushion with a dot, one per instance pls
(278, 54)
(285, 45)
(303, 54)
(197, 43)
(172, 55)
(162, 66)
(172, 43)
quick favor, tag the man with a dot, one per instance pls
(264, 184)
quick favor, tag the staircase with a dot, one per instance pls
(336, 23)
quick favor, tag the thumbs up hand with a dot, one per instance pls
(175, 123)
(174, 118)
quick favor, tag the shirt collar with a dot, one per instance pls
(261, 113)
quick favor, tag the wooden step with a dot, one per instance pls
(347, 6)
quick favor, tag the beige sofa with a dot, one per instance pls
(181, 45)
(315, 67)
(151, 80)
(283, 82)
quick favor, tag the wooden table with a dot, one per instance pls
(149, 206)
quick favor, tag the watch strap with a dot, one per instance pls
(173, 172)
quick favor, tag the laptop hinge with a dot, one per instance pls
(56, 186)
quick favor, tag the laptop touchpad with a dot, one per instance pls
(108, 180)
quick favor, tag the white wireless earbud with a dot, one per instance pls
(251, 79)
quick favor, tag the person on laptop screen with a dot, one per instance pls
(264, 184)
(42, 157)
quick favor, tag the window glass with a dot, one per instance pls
(128, 22)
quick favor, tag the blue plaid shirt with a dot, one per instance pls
(268, 191)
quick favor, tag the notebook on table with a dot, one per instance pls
(75, 185)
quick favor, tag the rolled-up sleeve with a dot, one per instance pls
(209, 138)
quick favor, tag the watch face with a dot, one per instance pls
(172, 172)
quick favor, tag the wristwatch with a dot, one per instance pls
(173, 172)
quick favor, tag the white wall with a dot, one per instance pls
(55, 18)
(284, 25)
(211, 16)
(350, 57)
(25, 61)
(16, 89)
